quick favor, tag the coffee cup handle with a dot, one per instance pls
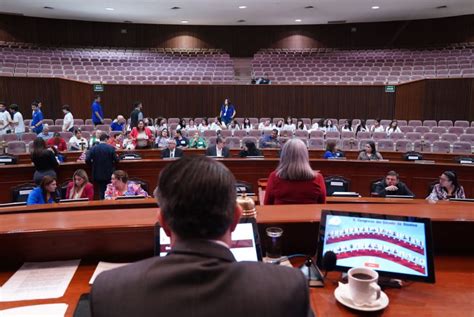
(377, 290)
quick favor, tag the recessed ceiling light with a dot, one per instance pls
(241, 21)
(375, 7)
(242, 7)
(48, 8)
(298, 20)
(109, 9)
(442, 7)
(309, 7)
(184, 21)
(175, 8)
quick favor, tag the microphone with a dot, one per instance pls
(329, 262)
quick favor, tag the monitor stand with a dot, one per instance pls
(384, 282)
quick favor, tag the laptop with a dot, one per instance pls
(245, 241)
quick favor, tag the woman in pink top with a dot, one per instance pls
(294, 181)
(142, 136)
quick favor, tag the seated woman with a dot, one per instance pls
(95, 136)
(181, 141)
(141, 136)
(249, 150)
(294, 181)
(77, 142)
(80, 187)
(57, 142)
(393, 128)
(197, 142)
(448, 187)
(115, 141)
(127, 142)
(45, 193)
(162, 140)
(121, 186)
(370, 153)
(332, 151)
(44, 160)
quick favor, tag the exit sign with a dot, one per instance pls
(98, 88)
(390, 88)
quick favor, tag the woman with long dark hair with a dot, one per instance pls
(44, 160)
(45, 193)
(448, 187)
(370, 153)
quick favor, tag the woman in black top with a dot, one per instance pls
(44, 160)
(250, 150)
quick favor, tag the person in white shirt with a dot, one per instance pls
(204, 125)
(265, 125)
(17, 124)
(279, 125)
(247, 126)
(362, 127)
(328, 126)
(77, 142)
(393, 128)
(300, 125)
(377, 127)
(217, 125)
(289, 125)
(347, 127)
(191, 125)
(5, 119)
(317, 125)
(68, 121)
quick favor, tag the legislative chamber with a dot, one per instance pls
(369, 92)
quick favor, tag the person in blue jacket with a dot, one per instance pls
(37, 120)
(45, 193)
(97, 113)
(227, 112)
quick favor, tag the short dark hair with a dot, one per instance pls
(136, 104)
(66, 107)
(197, 197)
(103, 137)
(14, 106)
(219, 140)
(453, 177)
(393, 173)
(121, 175)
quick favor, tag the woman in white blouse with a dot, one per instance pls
(289, 125)
(77, 142)
(393, 128)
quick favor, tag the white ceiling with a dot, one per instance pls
(226, 12)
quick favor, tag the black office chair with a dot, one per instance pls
(63, 189)
(373, 185)
(142, 183)
(20, 193)
(243, 187)
(336, 184)
(8, 159)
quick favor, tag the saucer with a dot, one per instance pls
(342, 296)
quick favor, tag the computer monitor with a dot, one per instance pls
(245, 241)
(395, 246)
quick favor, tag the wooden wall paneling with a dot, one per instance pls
(410, 100)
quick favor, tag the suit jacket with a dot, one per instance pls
(212, 151)
(402, 189)
(166, 153)
(200, 278)
(102, 157)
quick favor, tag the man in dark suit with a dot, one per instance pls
(219, 150)
(392, 185)
(102, 157)
(199, 277)
(171, 151)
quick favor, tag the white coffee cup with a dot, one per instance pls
(363, 287)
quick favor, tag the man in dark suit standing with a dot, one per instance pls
(171, 151)
(218, 150)
(199, 277)
(102, 157)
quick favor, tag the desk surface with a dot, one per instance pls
(453, 294)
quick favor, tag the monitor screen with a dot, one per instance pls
(394, 246)
(245, 241)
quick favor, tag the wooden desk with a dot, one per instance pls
(113, 234)
(452, 295)
(418, 177)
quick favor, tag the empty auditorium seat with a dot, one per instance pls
(431, 137)
(461, 123)
(233, 142)
(456, 130)
(422, 129)
(441, 147)
(350, 144)
(316, 144)
(422, 146)
(412, 136)
(462, 147)
(450, 137)
(430, 123)
(445, 123)
(385, 145)
(439, 130)
(403, 145)
(16, 147)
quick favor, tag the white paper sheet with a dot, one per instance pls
(46, 310)
(39, 280)
(104, 266)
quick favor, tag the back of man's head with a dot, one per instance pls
(197, 197)
(103, 137)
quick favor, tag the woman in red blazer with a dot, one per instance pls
(294, 181)
(80, 187)
(142, 137)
